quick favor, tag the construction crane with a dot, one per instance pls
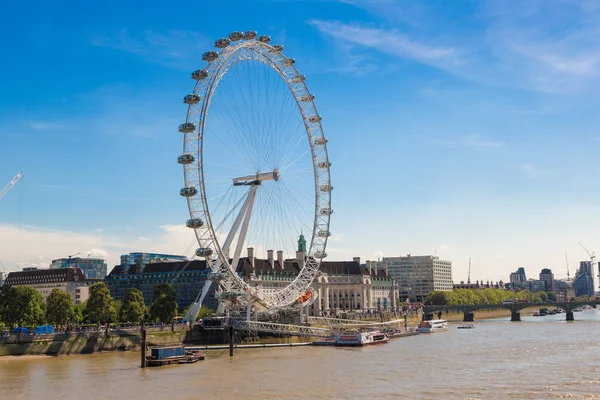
(11, 184)
(592, 258)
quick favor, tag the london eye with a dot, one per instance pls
(256, 171)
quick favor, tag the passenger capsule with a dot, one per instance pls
(249, 35)
(191, 99)
(324, 164)
(187, 127)
(324, 233)
(299, 78)
(222, 43)
(307, 97)
(320, 141)
(188, 191)
(185, 159)
(314, 118)
(215, 276)
(326, 188)
(235, 36)
(320, 254)
(278, 47)
(194, 223)
(289, 61)
(326, 211)
(210, 56)
(204, 252)
(264, 39)
(199, 74)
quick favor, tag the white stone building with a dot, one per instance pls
(341, 286)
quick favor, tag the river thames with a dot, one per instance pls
(538, 358)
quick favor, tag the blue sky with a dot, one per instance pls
(468, 128)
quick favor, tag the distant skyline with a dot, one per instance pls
(466, 129)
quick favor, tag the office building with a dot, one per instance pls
(92, 268)
(547, 277)
(417, 276)
(187, 277)
(71, 280)
(584, 280)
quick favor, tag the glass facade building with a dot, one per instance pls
(92, 268)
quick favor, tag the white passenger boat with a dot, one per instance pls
(360, 338)
(435, 325)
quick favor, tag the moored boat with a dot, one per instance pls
(465, 326)
(434, 325)
(172, 355)
(360, 338)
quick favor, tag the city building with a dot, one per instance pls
(417, 276)
(584, 280)
(92, 268)
(564, 289)
(340, 286)
(536, 285)
(71, 280)
(142, 259)
(547, 277)
(187, 277)
(519, 276)
(2, 277)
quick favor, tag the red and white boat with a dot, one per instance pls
(360, 338)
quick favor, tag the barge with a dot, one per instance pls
(172, 355)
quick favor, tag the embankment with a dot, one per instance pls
(87, 343)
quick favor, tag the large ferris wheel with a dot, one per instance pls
(256, 169)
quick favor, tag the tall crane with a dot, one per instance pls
(11, 184)
(592, 258)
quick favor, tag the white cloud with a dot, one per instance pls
(544, 46)
(389, 41)
(35, 246)
(533, 172)
(179, 49)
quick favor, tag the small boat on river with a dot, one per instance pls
(172, 355)
(465, 326)
(434, 325)
(360, 338)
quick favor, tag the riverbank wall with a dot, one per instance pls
(93, 342)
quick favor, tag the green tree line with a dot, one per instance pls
(25, 306)
(485, 296)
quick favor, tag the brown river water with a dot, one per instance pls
(539, 358)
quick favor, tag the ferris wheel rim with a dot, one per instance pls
(322, 203)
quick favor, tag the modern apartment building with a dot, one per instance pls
(92, 268)
(417, 276)
(584, 279)
(547, 277)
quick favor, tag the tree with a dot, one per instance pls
(133, 310)
(78, 311)
(100, 305)
(29, 306)
(59, 308)
(164, 303)
(551, 297)
(543, 296)
(9, 310)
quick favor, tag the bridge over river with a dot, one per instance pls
(515, 309)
